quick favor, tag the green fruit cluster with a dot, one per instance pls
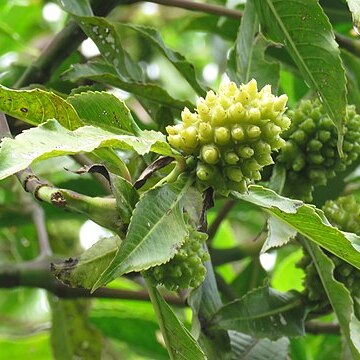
(343, 213)
(310, 154)
(232, 134)
(186, 269)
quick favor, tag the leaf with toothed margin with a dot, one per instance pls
(307, 220)
(307, 35)
(84, 271)
(263, 312)
(103, 73)
(50, 139)
(103, 110)
(153, 36)
(339, 298)
(179, 342)
(37, 106)
(157, 229)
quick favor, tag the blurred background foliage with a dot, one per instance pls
(127, 329)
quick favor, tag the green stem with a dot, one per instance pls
(153, 293)
(103, 211)
(175, 173)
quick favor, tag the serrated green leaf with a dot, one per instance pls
(103, 110)
(339, 297)
(185, 68)
(157, 229)
(50, 139)
(105, 74)
(305, 31)
(77, 7)
(263, 312)
(84, 271)
(306, 220)
(246, 347)
(248, 53)
(279, 234)
(179, 342)
(37, 106)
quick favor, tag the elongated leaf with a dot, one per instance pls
(179, 342)
(305, 31)
(51, 139)
(104, 73)
(245, 347)
(184, 67)
(279, 234)
(354, 7)
(107, 39)
(36, 106)
(156, 231)
(338, 296)
(84, 271)
(77, 7)
(72, 336)
(308, 221)
(244, 45)
(103, 110)
(263, 312)
(247, 58)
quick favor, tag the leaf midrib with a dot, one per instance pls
(289, 38)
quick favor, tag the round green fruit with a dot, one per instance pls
(310, 154)
(232, 134)
(186, 269)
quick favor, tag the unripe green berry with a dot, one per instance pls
(222, 135)
(210, 154)
(204, 172)
(237, 133)
(231, 158)
(245, 152)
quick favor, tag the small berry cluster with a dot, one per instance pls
(310, 154)
(186, 269)
(232, 134)
(343, 213)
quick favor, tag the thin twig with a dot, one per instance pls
(317, 327)
(347, 43)
(213, 228)
(36, 274)
(196, 6)
(38, 216)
